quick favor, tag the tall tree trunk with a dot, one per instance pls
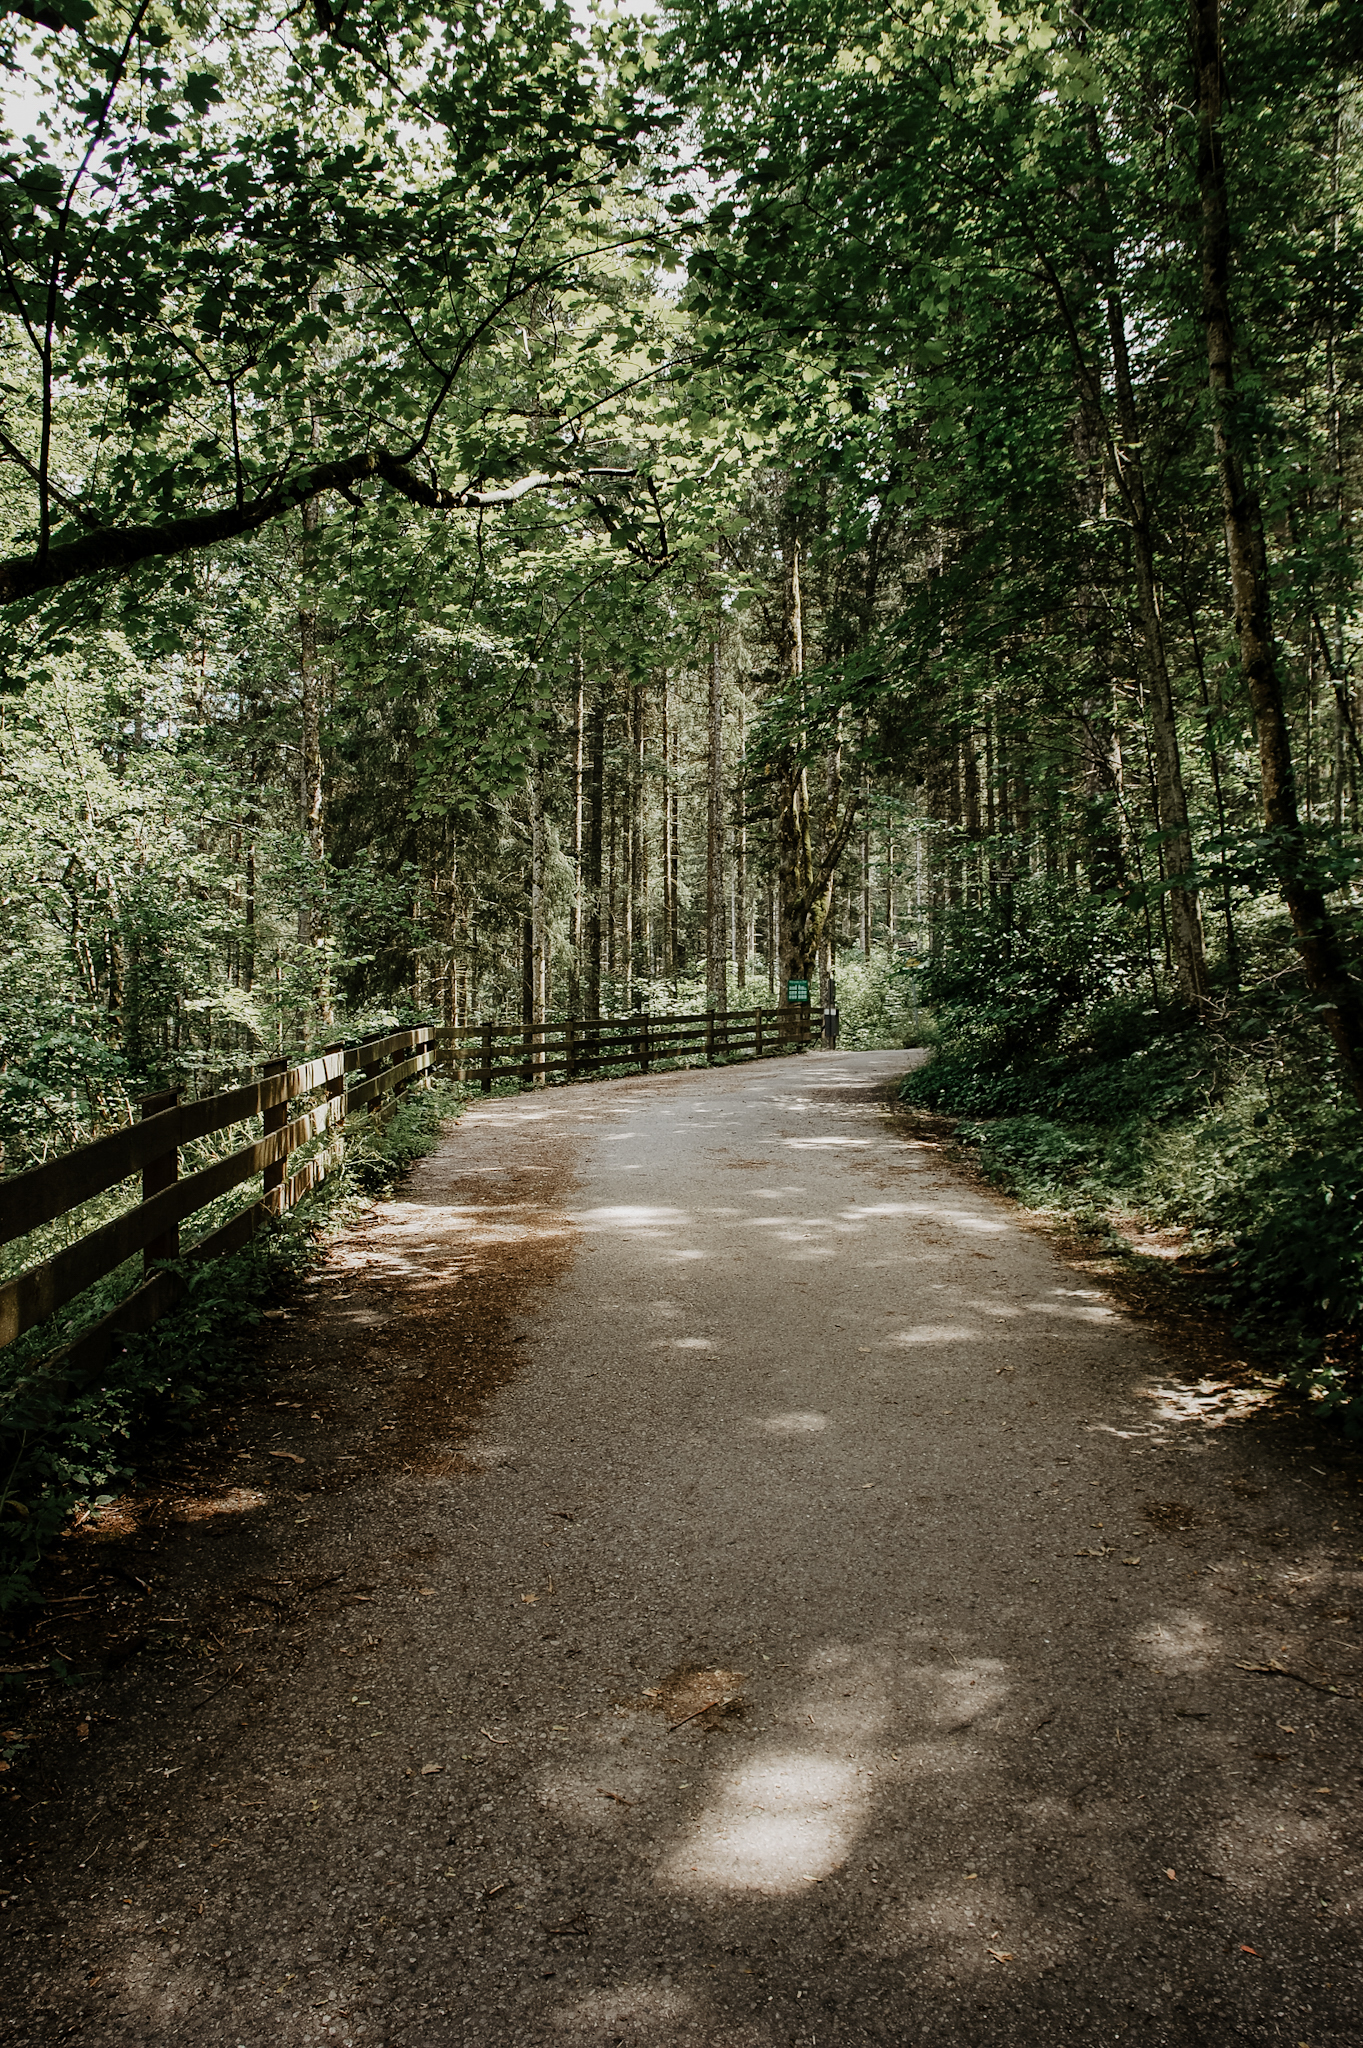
(643, 924)
(971, 807)
(612, 877)
(527, 966)
(629, 802)
(1188, 938)
(1123, 444)
(538, 936)
(310, 683)
(669, 921)
(674, 855)
(575, 936)
(806, 871)
(1322, 955)
(794, 838)
(248, 918)
(310, 752)
(591, 978)
(866, 895)
(890, 933)
(537, 893)
(716, 976)
(740, 917)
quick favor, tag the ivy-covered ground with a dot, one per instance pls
(1080, 1088)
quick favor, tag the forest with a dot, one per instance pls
(521, 512)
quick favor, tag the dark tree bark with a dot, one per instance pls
(805, 870)
(1326, 970)
(596, 744)
(716, 976)
(105, 548)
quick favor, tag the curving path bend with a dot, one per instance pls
(830, 1630)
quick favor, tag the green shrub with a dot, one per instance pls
(1082, 1097)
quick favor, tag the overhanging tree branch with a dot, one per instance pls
(123, 547)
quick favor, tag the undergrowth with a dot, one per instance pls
(62, 1457)
(1085, 1092)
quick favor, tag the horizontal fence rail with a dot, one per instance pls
(485, 1053)
(322, 1093)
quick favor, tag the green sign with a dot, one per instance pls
(797, 991)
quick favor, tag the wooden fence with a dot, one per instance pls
(484, 1053)
(296, 1106)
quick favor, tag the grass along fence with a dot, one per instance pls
(290, 1110)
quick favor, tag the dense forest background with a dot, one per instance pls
(512, 513)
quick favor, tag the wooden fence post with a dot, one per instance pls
(646, 1043)
(570, 1050)
(336, 1093)
(710, 1037)
(272, 1180)
(757, 1048)
(485, 1075)
(159, 1174)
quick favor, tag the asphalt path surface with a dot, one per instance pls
(829, 1623)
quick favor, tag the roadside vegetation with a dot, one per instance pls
(1085, 1091)
(591, 511)
(71, 1456)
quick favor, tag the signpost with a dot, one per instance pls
(797, 991)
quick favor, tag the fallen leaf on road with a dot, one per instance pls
(615, 1796)
(1172, 1876)
(530, 1598)
(1001, 1955)
(1246, 1950)
(292, 1456)
(503, 1739)
(429, 1770)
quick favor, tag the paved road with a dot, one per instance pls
(826, 1629)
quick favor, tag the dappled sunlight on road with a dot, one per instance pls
(1211, 1403)
(1181, 1644)
(631, 1216)
(813, 1144)
(1088, 1312)
(785, 1818)
(776, 1825)
(934, 1333)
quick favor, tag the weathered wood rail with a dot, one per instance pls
(485, 1053)
(294, 1106)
